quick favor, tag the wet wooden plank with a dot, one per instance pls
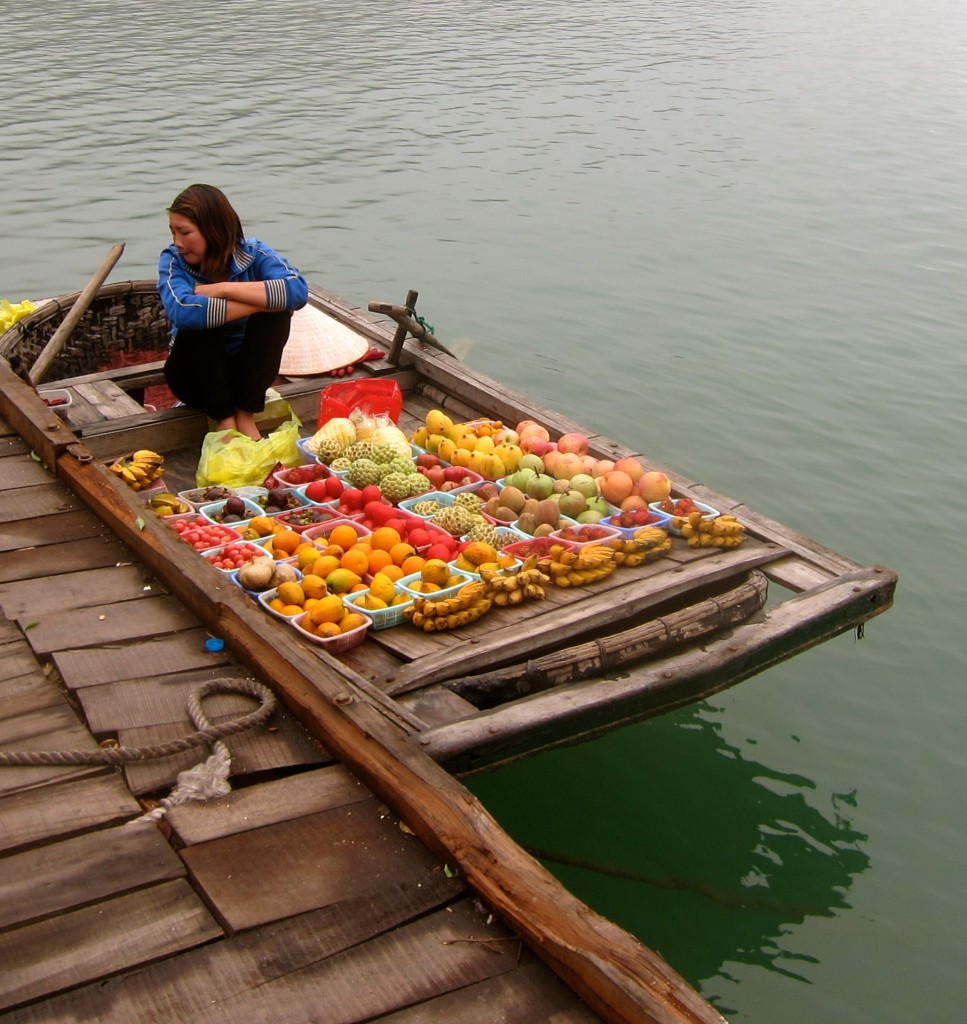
(107, 400)
(18, 660)
(530, 994)
(49, 956)
(250, 878)
(76, 590)
(48, 728)
(159, 700)
(17, 471)
(62, 810)
(149, 615)
(86, 868)
(63, 557)
(180, 652)
(28, 692)
(50, 530)
(41, 500)
(267, 804)
(286, 745)
(217, 982)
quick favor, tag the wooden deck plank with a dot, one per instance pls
(18, 660)
(304, 863)
(419, 961)
(158, 700)
(149, 615)
(41, 500)
(284, 744)
(84, 869)
(179, 652)
(268, 803)
(48, 728)
(16, 471)
(82, 589)
(527, 995)
(67, 556)
(194, 985)
(107, 400)
(84, 945)
(49, 530)
(62, 810)
(29, 692)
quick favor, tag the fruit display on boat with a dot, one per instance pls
(166, 504)
(139, 470)
(279, 499)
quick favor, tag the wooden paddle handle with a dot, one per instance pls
(60, 336)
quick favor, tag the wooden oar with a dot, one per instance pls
(60, 336)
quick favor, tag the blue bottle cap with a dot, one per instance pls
(214, 645)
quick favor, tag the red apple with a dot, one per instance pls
(318, 491)
(454, 473)
(427, 460)
(439, 550)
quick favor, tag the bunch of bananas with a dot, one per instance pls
(139, 470)
(509, 588)
(568, 567)
(723, 531)
(466, 606)
(647, 544)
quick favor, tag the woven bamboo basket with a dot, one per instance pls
(125, 325)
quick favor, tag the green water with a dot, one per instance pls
(730, 234)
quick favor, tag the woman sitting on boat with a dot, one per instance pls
(230, 301)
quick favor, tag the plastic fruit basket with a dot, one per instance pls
(233, 576)
(382, 618)
(406, 585)
(264, 597)
(707, 513)
(252, 509)
(319, 515)
(250, 549)
(539, 546)
(195, 496)
(183, 524)
(609, 533)
(333, 644)
(661, 520)
(444, 498)
(321, 533)
(293, 494)
(290, 477)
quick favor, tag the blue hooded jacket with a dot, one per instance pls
(285, 288)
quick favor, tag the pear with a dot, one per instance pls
(512, 497)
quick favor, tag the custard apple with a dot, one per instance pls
(363, 472)
(395, 486)
(359, 450)
(468, 500)
(418, 484)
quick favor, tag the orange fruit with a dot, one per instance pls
(414, 563)
(292, 610)
(324, 565)
(334, 549)
(291, 593)
(400, 552)
(286, 540)
(435, 571)
(393, 571)
(378, 559)
(382, 587)
(351, 620)
(277, 603)
(313, 586)
(325, 629)
(344, 536)
(341, 581)
(355, 561)
(262, 525)
(384, 537)
(329, 609)
(306, 554)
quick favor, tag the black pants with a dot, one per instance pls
(201, 374)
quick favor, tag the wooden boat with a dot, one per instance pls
(405, 711)
(584, 661)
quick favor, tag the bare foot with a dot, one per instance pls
(226, 424)
(245, 423)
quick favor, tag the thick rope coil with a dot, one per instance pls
(206, 733)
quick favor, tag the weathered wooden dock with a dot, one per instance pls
(300, 896)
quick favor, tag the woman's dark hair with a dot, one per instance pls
(210, 211)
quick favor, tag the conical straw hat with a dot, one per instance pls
(318, 343)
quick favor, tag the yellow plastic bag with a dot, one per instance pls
(236, 460)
